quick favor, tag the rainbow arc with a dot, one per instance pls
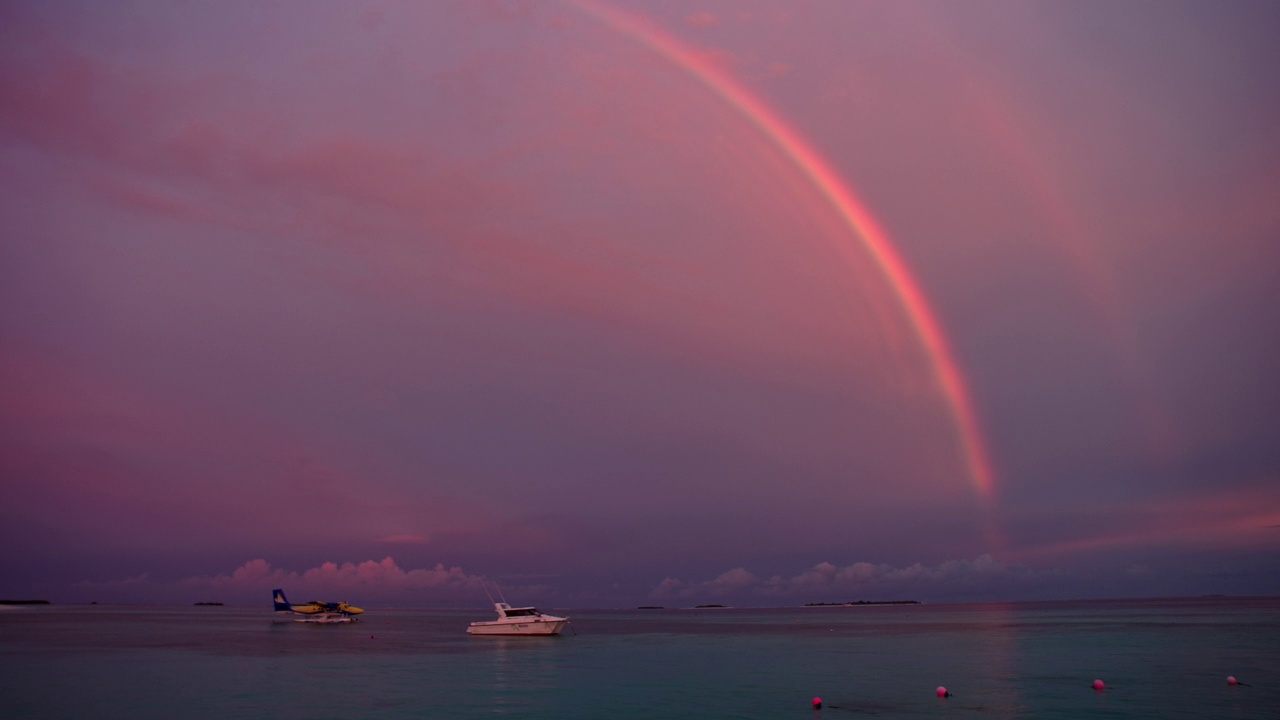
(859, 220)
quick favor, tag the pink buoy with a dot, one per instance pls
(1231, 680)
(1099, 685)
(942, 692)
(817, 703)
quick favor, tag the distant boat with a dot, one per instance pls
(315, 611)
(518, 621)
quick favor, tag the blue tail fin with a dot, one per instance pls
(282, 603)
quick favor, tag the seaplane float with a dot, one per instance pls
(315, 611)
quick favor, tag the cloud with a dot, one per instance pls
(383, 575)
(1220, 517)
(777, 69)
(370, 580)
(407, 539)
(859, 581)
(398, 202)
(702, 19)
(77, 439)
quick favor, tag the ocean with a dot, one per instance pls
(1166, 658)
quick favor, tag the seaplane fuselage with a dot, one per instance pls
(315, 611)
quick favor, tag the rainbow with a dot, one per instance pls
(876, 242)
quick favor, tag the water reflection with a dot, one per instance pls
(522, 668)
(1000, 656)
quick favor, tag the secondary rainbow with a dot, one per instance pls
(876, 242)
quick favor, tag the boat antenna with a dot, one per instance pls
(485, 585)
(497, 587)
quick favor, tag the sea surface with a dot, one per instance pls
(1158, 658)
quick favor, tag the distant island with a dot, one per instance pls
(703, 607)
(852, 603)
(651, 607)
(208, 603)
(24, 602)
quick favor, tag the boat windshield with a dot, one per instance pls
(522, 612)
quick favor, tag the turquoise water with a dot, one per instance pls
(1160, 659)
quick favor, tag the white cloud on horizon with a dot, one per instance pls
(376, 579)
(858, 581)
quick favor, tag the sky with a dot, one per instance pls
(616, 303)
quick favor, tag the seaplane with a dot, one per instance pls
(315, 611)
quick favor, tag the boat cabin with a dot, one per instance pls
(508, 611)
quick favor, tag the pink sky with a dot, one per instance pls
(391, 298)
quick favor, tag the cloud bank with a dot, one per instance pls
(370, 580)
(978, 578)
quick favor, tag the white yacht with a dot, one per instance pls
(518, 621)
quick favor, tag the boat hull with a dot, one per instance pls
(535, 627)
